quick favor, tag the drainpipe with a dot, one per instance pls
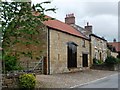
(90, 50)
(48, 50)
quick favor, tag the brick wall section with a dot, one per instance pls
(58, 51)
(38, 49)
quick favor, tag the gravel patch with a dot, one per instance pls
(68, 80)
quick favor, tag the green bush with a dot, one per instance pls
(111, 60)
(118, 60)
(100, 62)
(96, 61)
(27, 81)
(11, 63)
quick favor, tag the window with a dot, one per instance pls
(83, 43)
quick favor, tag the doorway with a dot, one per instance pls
(72, 55)
(85, 60)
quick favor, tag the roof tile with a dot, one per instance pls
(61, 26)
(116, 45)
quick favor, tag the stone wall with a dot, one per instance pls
(11, 80)
(58, 51)
(112, 67)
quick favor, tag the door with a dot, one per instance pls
(85, 60)
(72, 55)
(45, 66)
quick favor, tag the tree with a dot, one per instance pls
(20, 26)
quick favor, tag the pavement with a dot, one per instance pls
(71, 80)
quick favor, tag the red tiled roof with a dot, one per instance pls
(116, 45)
(61, 26)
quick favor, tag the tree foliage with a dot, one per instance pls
(19, 25)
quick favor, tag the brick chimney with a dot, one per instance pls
(88, 29)
(70, 19)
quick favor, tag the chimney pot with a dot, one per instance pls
(87, 23)
(114, 40)
(70, 19)
(88, 29)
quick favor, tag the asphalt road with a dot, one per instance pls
(107, 82)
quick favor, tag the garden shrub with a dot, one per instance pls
(100, 62)
(96, 61)
(11, 63)
(27, 81)
(118, 60)
(111, 60)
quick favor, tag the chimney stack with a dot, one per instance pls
(70, 19)
(88, 29)
(114, 40)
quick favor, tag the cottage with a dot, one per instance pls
(68, 49)
(98, 47)
(71, 47)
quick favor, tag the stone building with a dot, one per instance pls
(71, 47)
(98, 47)
(68, 49)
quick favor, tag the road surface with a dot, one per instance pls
(107, 82)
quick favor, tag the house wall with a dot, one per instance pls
(98, 46)
(114, 54)
(58, 51)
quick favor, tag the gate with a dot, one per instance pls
(35, 67)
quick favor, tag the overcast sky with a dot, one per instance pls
(101, 14)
